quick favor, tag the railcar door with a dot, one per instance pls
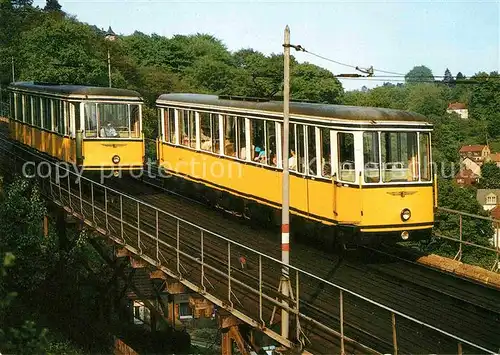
(347, 191)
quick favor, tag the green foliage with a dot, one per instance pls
(24, 338)
(64, 51)
(485, 100)
(448, 78)
(473, 230)
(52, 5)
(21, 215)
(490, 176)
(310, 82)
(419, 74)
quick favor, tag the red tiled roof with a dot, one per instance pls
(456, 106)
(466, 173)
(472, 148)
(495, 212)
(495, 157)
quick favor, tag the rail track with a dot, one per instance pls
(459, 307)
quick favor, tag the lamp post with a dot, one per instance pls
(110, 36)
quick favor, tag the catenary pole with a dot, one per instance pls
(285, 223)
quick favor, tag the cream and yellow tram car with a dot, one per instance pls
(365, 170)
(94, 128)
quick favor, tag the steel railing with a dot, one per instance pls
(494, 249)
(211, 264)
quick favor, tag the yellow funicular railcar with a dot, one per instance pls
(365, 170)
(93, 128)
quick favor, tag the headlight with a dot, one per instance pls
(116, 159)
(405, 214)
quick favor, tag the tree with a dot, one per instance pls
(490, 176)
(52, 5)
(419, 74)
(460, 76)
(448, 78)
(310, 82)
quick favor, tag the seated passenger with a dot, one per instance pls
(292, 161)
(207, 145)
(261, 155)
(109, 131)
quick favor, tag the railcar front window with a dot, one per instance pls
(346, 168)
(113, 119)
(371, 157)
(399, 156)
(425, 157)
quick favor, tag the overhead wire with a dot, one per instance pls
(388, 78)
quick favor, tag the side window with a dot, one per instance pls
(371, 157)
(230, 136)
(241, 138)
(301, 142)
(37, 119)
(135, 129)
(187, 128)
(192, 129)
(19, 107)
(47, 114)
(326, 153)
(346, 168)
(166, 124)
(27, 111)
(311, 150)
(90, 115)
(60, 116)
(257, 138)
(271, 150)
(171, 124)
(77, 128)
(12, 105)
(292, 159)
(425, 157)
(183, 128)
(206, 131)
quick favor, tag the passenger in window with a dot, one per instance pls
(326, 168)
(109, 131)
(260, 155)
(292, 161)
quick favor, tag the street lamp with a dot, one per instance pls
(109, 36)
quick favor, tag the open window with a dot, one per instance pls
(346, 168)
(371, 157)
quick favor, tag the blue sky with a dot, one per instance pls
(390, 35)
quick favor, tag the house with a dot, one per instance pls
(477, 153)
(458, 108)
(488, 198)
(466, 177)
(494, 157)
(469, 164)
(495, 214)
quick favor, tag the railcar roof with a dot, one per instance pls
(359, 113)
(74, 89)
